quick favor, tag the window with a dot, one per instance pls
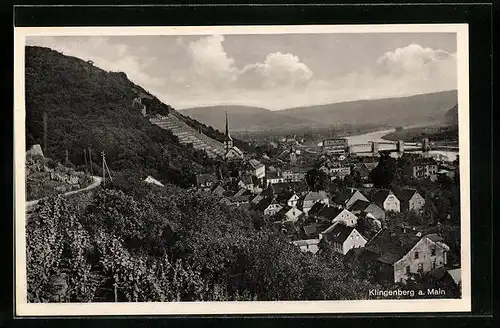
(433, 251)
(416, 255)
(420, 268)
(433, 264)
(407, 269)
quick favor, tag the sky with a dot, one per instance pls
(273, 71)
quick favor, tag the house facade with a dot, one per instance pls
(387, 200)
(312, 198)
(411, 200)
(343, 238)
(424, 168)
(348, 197)
(307, 245)
(272, 209)
(257, 169)
(273, 177)
(428, 254)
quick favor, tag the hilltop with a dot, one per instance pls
(90, 107)
(246, 118)
(419, 109)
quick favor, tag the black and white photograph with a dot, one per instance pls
(250, 169)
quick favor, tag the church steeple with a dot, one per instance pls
(228, 141)
(228, 135)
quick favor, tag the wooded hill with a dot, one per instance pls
(89, 107)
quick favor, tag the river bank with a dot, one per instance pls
(439, 133)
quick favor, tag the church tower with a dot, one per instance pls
(228, 141)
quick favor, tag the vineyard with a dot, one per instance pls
(169, 244)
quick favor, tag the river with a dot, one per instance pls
(377, 136)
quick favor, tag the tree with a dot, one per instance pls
(316, 179)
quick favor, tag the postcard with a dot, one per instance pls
(242, 170)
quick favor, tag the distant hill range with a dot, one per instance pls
(404, 111)
(246, 118)
(418, 109)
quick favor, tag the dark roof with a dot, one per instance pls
(284, 196)
(330, 212)
(246, 179)
(296, 186)
(392, 244)
(339, 233)
(263, 204)
(344, 196)
(316, 195)
(380, 196)
(405, 194)
(315, 209)
(203, 178)
(283, 211)
(314, 229)
(273, 174)
(359, 205)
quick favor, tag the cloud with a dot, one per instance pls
(189, 71)
(213, 67)
(109, 56)
(277, 70)
(210, 62)
(418, 64)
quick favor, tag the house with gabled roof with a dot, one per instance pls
(218, 190)
(288, 213)
(348, 196)
(273, 177)
(362, 208)
(410, 200)
(314, 229)
(313, 197)
(257, 168)
(400, 253)
(206, 181)
(343, 238)
(387, 200)
(268, 206)
(336, 214)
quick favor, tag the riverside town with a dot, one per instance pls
(242, 168)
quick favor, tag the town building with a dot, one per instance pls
(348, 197)
(231, 152)
(343, 238)
(362, 208)
(257, 169)
(335, 146)
(385, 198)
(268, 206)
(205, 182)
(293, 174)
(398, 254)
(410, 200)
(312, 197)
(307, 245)
(273, 177)
(288, 213)
(422, 168)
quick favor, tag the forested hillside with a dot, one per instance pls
(89, 107)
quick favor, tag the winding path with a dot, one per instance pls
(96, 183)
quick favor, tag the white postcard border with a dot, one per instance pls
(23, 308)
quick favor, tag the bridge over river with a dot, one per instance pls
(372, 143)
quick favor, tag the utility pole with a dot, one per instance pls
(90, 156)
(67, 158)
(103, 172)
(85, 158)
(45, 133)
(105, 168)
